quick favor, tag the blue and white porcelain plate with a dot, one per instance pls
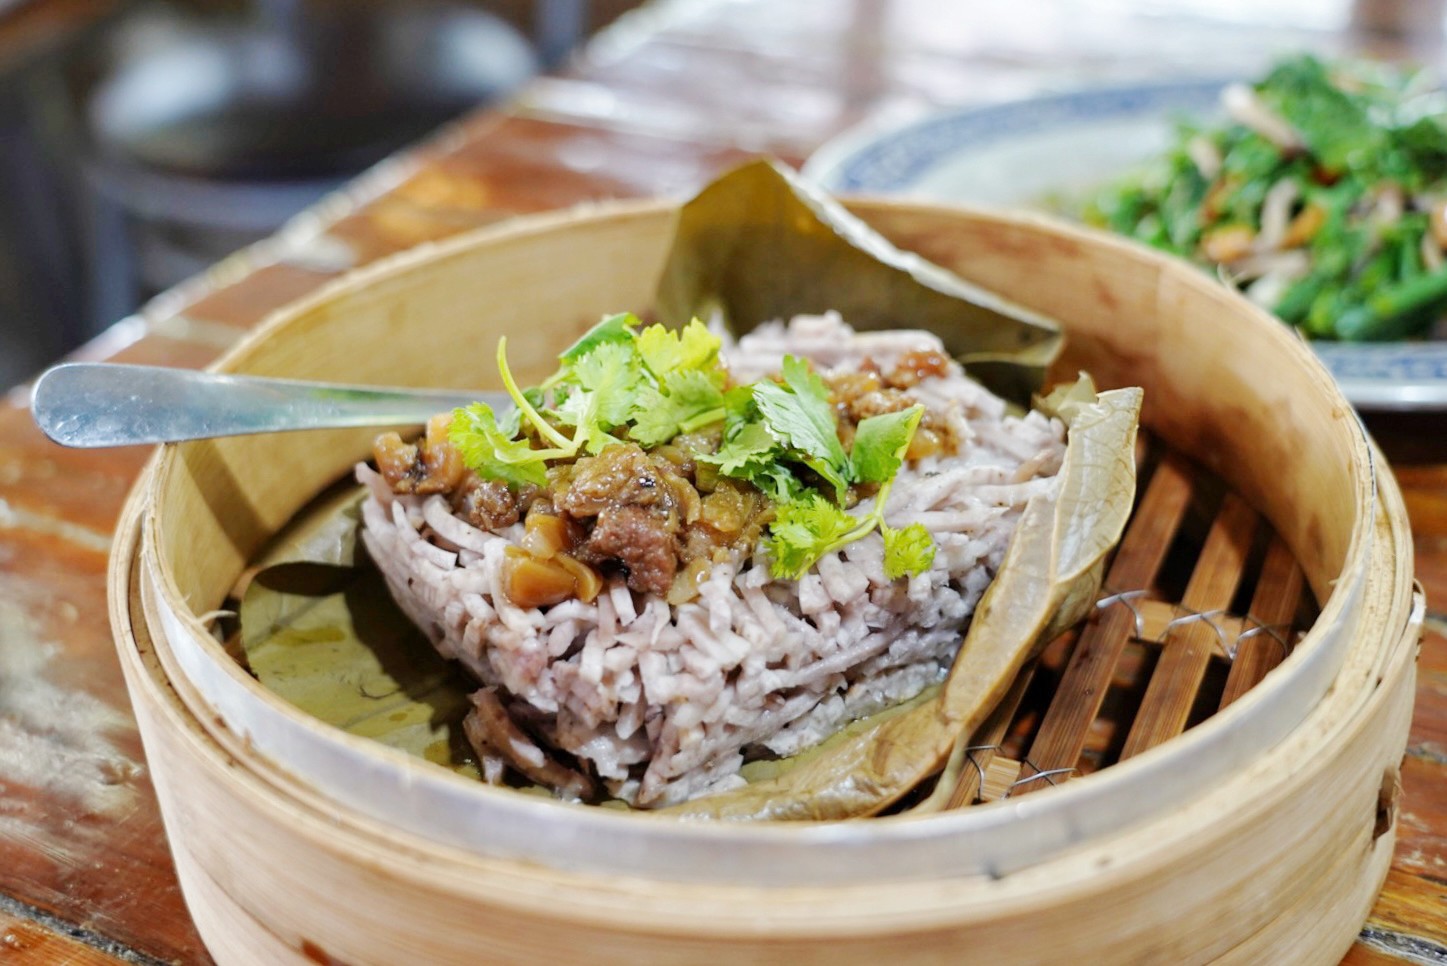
(1028, 153)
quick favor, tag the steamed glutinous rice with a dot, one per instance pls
(659, 677)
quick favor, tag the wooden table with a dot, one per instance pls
(664, 99)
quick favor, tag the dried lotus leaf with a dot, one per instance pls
(326, 636)
(1048, 581)
(759, 243)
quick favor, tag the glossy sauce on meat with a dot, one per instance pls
(869, 392)
(661, 519)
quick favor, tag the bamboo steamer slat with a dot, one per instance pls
(1280, 819)
(1187, 648)
(1087, 677)
(1273, 604)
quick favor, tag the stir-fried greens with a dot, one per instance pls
(1324, 196)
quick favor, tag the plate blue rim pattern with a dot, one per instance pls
(1388, 375)
(893, 160)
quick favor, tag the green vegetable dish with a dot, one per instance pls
(1324, 196)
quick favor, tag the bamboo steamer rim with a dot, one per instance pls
(994, 838)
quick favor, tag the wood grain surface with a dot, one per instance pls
(662, 100)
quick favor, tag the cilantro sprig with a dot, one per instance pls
(799, 413)
(774, 427)
(809, 526)
(614, 383)
(622, 381)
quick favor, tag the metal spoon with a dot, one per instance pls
(89, 405)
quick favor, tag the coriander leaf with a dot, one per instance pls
(492, 453)
(659, 413)
(907, 551)
(751, 443)
(803, 531)
(656, 420)
(580, 410)
(525, 406)
(775, 481)
(739, 410)
(607, 380)
(697, 387)
(801, 415)
(665, 351)
(510, 422)
(613, 329)
(753, 454)
(609, 374)
(880, 443)
(831, 474)
(811, 391)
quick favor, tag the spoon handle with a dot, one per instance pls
(106, 404)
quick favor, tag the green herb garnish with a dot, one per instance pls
(809, 526)
(623, 382)
(799, 414)
(492, 450)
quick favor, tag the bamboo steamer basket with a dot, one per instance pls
(1267, 828)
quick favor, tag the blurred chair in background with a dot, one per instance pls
(144, 140)
(206, 134)
(42, 284)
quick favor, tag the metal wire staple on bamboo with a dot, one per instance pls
(1154, 659)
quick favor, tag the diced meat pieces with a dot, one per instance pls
(640, 504)
(396, 461)
(859, 395)
(620, 475)
(877, 403)
(487, 504)
(431, 465)
(643, 540)
(918, 365)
